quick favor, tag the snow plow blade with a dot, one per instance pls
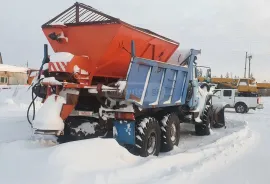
(219, 115)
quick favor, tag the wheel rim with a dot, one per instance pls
(240, 108)
(173, 132)
(151, 143)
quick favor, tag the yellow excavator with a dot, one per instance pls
(245, 86)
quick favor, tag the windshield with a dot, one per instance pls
(217, 92)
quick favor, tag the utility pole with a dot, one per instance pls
(245, 65)
(249, 59)
(1, 60)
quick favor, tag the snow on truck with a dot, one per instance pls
(124, 82)
(233, 99)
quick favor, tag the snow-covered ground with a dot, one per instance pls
(237, 154)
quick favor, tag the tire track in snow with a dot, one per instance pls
(181, 165)
(226, 150)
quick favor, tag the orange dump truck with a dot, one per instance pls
(101, 48)
(120, 78)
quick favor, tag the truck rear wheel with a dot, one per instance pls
(241, 108)
(147, 137)
(170, 132)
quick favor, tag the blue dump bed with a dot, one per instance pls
(152, 84)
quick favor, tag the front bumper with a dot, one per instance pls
(260, 106)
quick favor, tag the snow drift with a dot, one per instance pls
(104, 161)
(17, 95)
(52, 107)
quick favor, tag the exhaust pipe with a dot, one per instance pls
(45, 60)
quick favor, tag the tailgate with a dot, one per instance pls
(155, 84)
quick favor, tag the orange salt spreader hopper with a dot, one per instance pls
(101, 43)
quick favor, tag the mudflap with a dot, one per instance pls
(124, 132)
(219, 114)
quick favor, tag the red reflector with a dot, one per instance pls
(258, 100)
(124, 116)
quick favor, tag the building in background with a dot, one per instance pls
(13, 75)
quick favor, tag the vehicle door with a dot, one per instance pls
(216, 98)
(228, 97)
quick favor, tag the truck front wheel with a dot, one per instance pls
(204, 127)
(148, 137)
(170, 132)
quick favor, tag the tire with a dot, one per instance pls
(203, 128)
(66, 137)
(170, 132)
(148, 137)
(79, 128)
(207, 116)
(241, 108)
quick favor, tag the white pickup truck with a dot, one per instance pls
(232, 98)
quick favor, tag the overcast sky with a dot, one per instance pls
(224, 30)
